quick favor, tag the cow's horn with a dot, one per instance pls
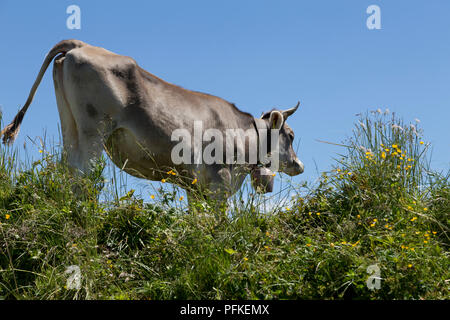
(289, 112)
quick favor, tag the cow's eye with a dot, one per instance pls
(291, 136)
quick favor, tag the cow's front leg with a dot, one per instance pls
(220, 190)
(215, 188)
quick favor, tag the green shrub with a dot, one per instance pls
(380, 205)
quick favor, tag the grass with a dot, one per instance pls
(381, 204)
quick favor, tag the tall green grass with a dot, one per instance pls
(381, 204)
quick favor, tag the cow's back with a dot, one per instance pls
(132, 109)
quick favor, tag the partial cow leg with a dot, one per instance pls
(220, 189)
(214, 192)
(80, 145)
(68, 125)
(90, 151)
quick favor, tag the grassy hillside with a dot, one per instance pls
(380, 205)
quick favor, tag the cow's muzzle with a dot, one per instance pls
(295, 168)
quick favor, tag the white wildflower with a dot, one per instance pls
(413, 128)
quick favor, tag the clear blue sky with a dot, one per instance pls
(257, 54)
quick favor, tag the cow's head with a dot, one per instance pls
(276, 119)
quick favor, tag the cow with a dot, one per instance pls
(108, 102)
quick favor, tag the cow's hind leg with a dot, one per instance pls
(81, 145)
(69, 129)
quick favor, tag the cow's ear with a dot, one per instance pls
(276, 120)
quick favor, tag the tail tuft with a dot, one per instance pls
(11, 131)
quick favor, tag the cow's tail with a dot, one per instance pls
(10, 132)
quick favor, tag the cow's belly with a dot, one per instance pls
(136, 157)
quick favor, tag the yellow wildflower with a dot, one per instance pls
(7, 216)
(383, 155)
(394, 146)
(152, 196)
(308, 244)
(194, 181)
(163, 180)
(410, 265)
(181, 198)
(413, 219)
(421, 142)
(245, 259)
(425, 209)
